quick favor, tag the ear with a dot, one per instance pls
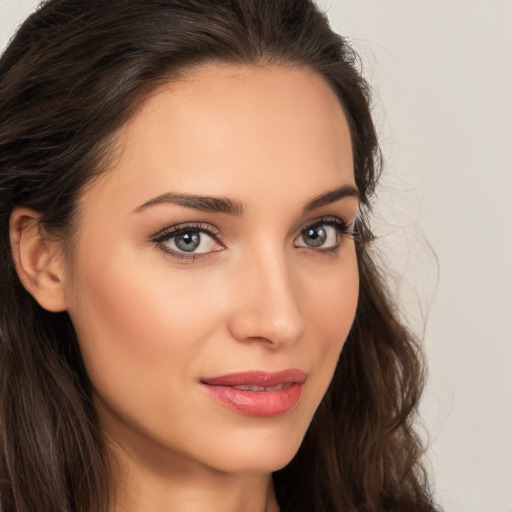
(39, 259)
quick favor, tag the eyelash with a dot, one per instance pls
(169, 233)
(343, 230)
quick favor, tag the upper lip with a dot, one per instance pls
(257, 378)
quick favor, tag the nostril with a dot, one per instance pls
(268, 324)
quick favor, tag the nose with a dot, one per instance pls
(267, 305)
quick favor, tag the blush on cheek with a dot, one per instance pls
(140, 315)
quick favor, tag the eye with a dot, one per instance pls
(325, 234)
(188, 241)
(192, 241)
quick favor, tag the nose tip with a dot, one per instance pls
(269, 310)
(278, 332)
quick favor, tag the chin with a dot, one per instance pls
(250, 453)
(263, 463)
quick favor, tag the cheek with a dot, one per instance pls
(331, 298)
(132, 317)
(331, 305)
(141, 331)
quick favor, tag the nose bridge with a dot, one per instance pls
(269, 303)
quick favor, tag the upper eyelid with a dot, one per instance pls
(171, 231)
(328, 219)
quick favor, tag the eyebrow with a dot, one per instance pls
(332, 196)
(225, 205)
(196, 202)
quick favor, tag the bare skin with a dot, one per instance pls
(155, 318)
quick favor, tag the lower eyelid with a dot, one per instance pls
(183, 257)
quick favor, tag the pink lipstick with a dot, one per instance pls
(257, 393)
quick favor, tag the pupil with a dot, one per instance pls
(315, 237)
(188, 242)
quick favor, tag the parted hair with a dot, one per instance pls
(72, 75)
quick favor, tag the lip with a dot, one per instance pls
(257, 393)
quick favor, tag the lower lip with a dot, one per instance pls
(257, 403)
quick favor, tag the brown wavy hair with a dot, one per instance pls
(72, 75)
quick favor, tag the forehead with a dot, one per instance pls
(234, 131)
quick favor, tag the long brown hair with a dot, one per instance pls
(72, 75)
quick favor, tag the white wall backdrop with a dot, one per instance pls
(442, 77)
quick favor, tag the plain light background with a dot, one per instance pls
(441, 72)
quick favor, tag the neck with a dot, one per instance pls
(151, 490)
(153, 493)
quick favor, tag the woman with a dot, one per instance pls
(185, 253)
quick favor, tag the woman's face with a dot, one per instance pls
(215, 280)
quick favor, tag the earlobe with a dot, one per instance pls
(38, 259)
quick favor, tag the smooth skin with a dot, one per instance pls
(244, 287)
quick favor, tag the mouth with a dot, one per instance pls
(257, 393)
(249, 387)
